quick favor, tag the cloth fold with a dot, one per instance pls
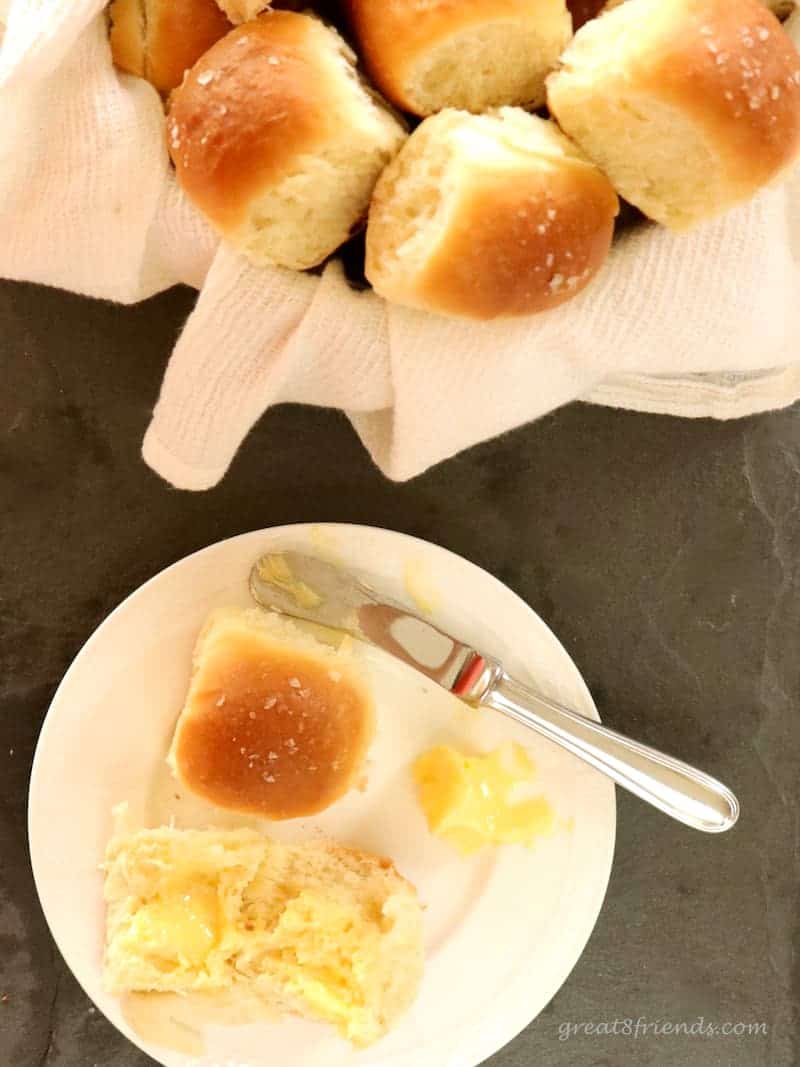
(705, 323)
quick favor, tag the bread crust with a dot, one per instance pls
(519, 230)
(161, 39)
(394, 34)
(725, 67)
(748, 103)
(246, 111)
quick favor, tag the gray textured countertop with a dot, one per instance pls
(664, 553)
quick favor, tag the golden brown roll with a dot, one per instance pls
(275, 723)
(471, 54)
(277, 142)
(160, 39)
(488, 215)
(689, 106)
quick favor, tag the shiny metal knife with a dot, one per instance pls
(320, 592)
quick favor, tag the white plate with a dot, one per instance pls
(503, 930)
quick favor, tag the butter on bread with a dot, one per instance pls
(160, 39)
(689, 106)
(317, 930)
(275, 723)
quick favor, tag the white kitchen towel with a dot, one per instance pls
(702, 323)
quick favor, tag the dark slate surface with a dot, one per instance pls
(665, 554)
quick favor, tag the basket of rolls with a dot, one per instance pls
(445, 217)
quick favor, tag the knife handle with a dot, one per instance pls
(685, 793)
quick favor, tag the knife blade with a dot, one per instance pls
(318, 591)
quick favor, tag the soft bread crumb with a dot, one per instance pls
(317, 930)
(426, 57)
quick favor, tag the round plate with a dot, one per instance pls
(503, 929)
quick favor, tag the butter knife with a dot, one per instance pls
(317, 591)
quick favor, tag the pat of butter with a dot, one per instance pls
(181, 927)
(276, 570)
(469, 800)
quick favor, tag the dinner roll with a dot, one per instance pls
(277, 142)
(488, 215)
(275, 723)
(160, 39)
(689, 106)
(472, 54)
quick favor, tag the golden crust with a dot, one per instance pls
(394, 34)
(518, 228)
(246, 111)
(161, 39)
(730, 65)
(519, 243)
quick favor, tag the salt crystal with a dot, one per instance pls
(268, 777)
(223, 110)
(305, 693)
(541, 228)
(242, 751)
(271, 756)
(273, 61)
(294, 683)
(728, 94)
(550, 260)
(556, 282)
(722, 58)
(252, 714)
(220, 700)
(205, 78)
(775, 92)
(551, 213)
(763, 34)
(755, 103)
(712, 47)
(270, 702)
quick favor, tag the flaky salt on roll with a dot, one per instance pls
(275, 723)
(471, 54)
(689, 106)
(160, 39)
(484, 216)
(277, 142)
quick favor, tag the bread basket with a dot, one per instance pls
(698, 324)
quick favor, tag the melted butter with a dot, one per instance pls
(181, 927)
(419, 587)
(469, 800)
(276, 571)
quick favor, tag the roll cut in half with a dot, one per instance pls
(276, 140)
(689, 106)
(484, 216)
(160, 39)
(471, 54)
